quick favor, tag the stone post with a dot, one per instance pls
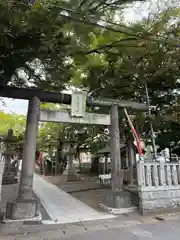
(131, 159)
(117, 198)
(25, 206)
(117, 177)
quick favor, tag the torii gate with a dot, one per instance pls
(25, 206)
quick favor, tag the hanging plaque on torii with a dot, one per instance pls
(78, 104)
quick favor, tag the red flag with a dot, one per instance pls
(137, 139)
(40, 158)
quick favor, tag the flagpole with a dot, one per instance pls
(150, 123)
(136, 138)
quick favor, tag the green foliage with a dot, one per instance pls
(37, 43)
(119, 65)
(12, 121)
(120, 68)
(54, 44)
(32, 38)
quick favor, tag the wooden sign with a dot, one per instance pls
(78, 104)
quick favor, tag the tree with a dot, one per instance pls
(32, 45)
(38, 40)
(12, 121)
(83, 137)
(123, 66)
(122, 70)
(67, 41)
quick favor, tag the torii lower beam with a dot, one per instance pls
(65, 117)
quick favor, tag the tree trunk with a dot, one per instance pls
(58, 157)
(78, 157)
(170, 154)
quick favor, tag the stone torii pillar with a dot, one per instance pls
(25, 206)
(117, 178)
(117, 198)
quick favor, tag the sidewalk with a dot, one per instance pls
(124, 227)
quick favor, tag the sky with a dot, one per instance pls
(14, 106)
(138, 12)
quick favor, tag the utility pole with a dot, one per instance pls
(150, 123)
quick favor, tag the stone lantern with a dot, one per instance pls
(70, 152)
(9, 175)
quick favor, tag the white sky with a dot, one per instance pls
(139, 12)
(14, 106)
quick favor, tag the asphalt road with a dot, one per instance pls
(161, 231)
(135, 230)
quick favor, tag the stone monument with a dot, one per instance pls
(70, 169)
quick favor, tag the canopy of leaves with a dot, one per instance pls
(12, 121)
(123, 65)
(33, 48)
(54, 43)
(36, 42)
(118, 66)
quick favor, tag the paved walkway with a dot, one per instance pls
(62, 207)
(114, 229)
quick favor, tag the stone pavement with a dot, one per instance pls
(61, 206)
(139, 228)
(83, 185)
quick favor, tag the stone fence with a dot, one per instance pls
(158, 186)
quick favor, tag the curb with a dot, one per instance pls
(117, 211)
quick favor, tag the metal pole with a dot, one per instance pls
(150, 123)
(26, 180)
(117, 178)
